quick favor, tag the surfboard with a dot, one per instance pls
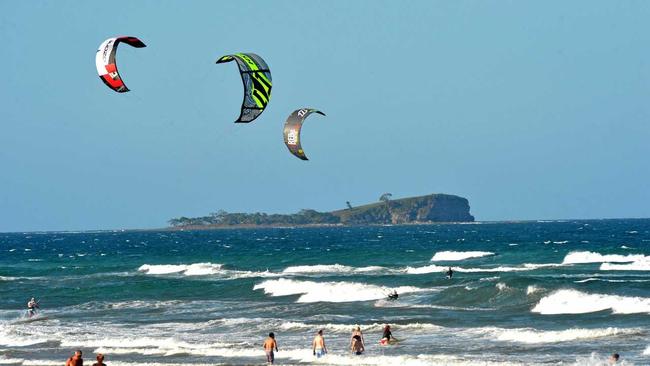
(393, 341)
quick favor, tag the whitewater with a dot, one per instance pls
(578, 290)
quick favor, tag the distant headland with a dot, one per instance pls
(431, 208)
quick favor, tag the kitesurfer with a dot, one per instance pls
(393, 295)
(450, 273)
(32, 305)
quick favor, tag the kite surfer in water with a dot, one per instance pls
(32, 305)
(450, 273)
(393, 295)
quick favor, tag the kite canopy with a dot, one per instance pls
(292, 128)
(105, 61)
(256, 76)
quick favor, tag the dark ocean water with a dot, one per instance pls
(567, 292)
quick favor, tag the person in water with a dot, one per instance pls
(613, 359)
(387, 336)
(318, 345)
(100, 360)
(393, 295)
(356, 345)
(450, 273)
(356, 331)
(269, 345)
(32, 305)
(75, 360)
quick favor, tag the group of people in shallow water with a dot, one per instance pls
(319, 349)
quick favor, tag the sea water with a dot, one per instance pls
(562, 292)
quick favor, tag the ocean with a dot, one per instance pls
(553, 292)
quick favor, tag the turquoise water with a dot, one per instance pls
(523, 293)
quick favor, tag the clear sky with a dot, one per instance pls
(530, 109)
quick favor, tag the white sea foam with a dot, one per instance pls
(639, 265)
(577, 302)
(346, 328)
(142, 342)
(435, 268)
(10, 339)
(304, 356)
(329, 291)
(195, 269)
(531, 289)
(11, 361)
(201, 269)
(458, 256)
(593, 257)
(531, 336)
(331, 268)
(113, 363)
(646, 352)
(199, 351)
(591, 279)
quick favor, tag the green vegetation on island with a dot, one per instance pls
(422, 209)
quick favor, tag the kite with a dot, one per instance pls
(256, 76)
(105, 61)
(292, 128)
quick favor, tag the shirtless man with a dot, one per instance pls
(269, 345)
(318, 345)
(75, 360)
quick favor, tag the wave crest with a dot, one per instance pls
(593, 257)
(577, 302)
(451, 255)
(311, 291)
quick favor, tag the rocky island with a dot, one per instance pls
(412, 210)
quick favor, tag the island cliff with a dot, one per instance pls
(412, 210)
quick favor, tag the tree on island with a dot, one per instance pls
(385, 197)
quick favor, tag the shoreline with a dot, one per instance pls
(208, 228)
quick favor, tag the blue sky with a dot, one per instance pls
(531, 110)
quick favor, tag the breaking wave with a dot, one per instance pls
(331, 268)
(639, 265)
(577, 302)
(195, 269)
(593, 257)
(200, 269)
(531, 336)
(458, 256)
(329, 291)
(435, 268)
